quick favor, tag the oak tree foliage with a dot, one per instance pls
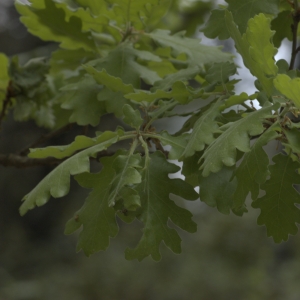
(120, 57)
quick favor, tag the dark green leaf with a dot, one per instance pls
(253, 170)
(243, 11)
(216, 25)
(157, 209)
(278, 211)
(217, 189)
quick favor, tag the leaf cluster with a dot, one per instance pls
(115, 57)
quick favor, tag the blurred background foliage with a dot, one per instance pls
(228, 258)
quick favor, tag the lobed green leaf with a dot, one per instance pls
(256, 48)
(57, 182)
(288, 87)
(278, 211)
(157, 209)
(197, 53)
(38, 18)
(235, 136)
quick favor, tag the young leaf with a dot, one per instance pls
(255, 48)
(125, 174)
(293, 137)
(235, 136)
(157, 208)
(80, 142)
(288, 87)
(278, 211)
(57, 183)
(132, 116)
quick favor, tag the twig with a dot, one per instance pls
(22, 162)
(18, 161)
(296, 19)
(45, 138)
(7, 101)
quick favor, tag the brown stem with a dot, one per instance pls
(7, 101)
(45, 138)
(18, 161)
(296, 19)
(21, 161)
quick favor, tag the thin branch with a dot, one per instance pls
(45, 138)
(7, 101)
(22, 162)
(18, 161)
(294, 26)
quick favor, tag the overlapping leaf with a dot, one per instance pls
(98, 215)
(97, 218)
(255, 48)
(80, 142)
(234, 100)
(180, 92)
(203, 131)
(177, 143)
(216, 25)
(132, 117)
(217, 189)
(81, 99)
(134, 12)
(278, 211)
(253, 170)
(288, 87)
(115, 84)
(95, 20)
(38, 18)
(282, 27)
(197, 53)
(65, 61)
(121, 62)
(293, 138)
(157, 209)
(33, 91)
(244, 10)
(57, 183)
(126, 174)
(181, 75)
(220, 72)
(235, 136)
